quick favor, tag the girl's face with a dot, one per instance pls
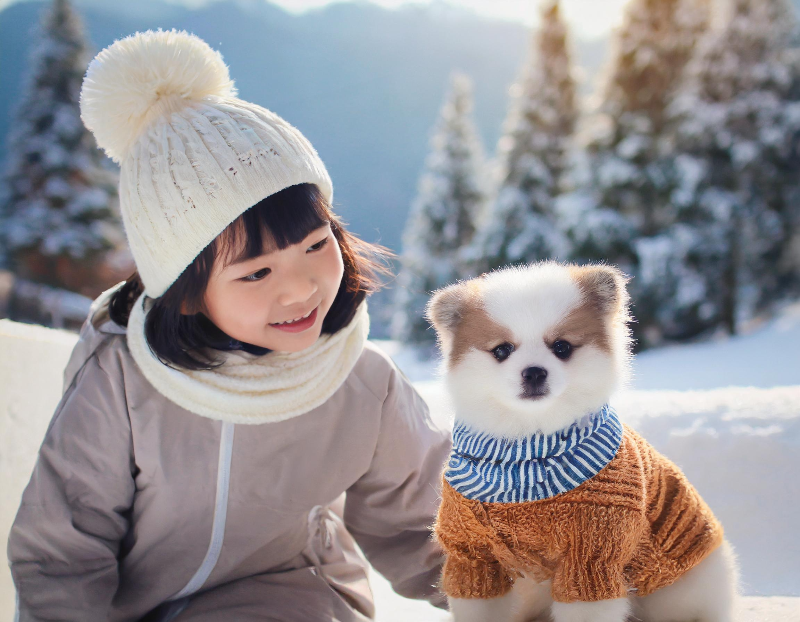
(278, 300)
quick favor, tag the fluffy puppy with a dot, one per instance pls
(549, 502)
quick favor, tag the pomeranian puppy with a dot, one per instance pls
(549, 503)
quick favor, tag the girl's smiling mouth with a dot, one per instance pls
(299, 325)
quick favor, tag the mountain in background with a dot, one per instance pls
(363, 83)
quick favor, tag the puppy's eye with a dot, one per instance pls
(562, 349)
(503, 351)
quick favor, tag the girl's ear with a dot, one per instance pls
(445, 308)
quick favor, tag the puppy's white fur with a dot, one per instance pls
(706, 593)
(527, 601)
(529, 302)
(614, 610)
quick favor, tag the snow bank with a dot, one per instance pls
(765, 355)
(32, 359)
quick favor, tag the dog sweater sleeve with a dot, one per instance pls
(471, 569)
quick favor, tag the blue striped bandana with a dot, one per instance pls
(487, 468)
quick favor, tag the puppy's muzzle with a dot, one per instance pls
(534, 383)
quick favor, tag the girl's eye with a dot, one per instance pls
(256, 276)
(503, 351)
(562, 349)
(318, 245)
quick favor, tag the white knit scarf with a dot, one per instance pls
(253, 389)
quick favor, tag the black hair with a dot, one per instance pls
(285, 218)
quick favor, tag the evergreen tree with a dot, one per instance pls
(738, 133)
(788, 264)
(593, 232)
(674, 298)
(444, 216)
(532, 154)
(58, 210)
(629, 153)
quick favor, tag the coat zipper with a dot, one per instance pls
(220, 514)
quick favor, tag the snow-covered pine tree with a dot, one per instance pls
(630, 171)
(788, 265)
(630, 157)
(58, 212)
(532, 154)
(737, 134)
(451, 200)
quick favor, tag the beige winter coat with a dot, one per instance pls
(135, 501)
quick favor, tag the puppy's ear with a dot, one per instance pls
(604, 286)
(446, 306)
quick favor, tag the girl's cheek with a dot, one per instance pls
(258, 299)
(241, 299)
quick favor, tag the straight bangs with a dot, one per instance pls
(274, 223)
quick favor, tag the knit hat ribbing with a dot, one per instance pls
(192, 156)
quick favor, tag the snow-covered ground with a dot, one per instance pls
(764, 355)
(727, 411)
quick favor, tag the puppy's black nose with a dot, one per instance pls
(534, 375)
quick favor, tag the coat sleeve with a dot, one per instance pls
(390, 510)
(65, 540)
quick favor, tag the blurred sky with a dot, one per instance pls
(588, 18)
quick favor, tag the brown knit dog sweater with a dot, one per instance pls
(636, 526)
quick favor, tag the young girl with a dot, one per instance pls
(221, 401)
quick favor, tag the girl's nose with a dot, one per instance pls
(297, 289)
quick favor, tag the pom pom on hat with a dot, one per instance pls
(146, 74)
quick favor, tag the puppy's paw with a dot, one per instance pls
(616, 610)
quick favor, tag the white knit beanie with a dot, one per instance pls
(192, 155)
